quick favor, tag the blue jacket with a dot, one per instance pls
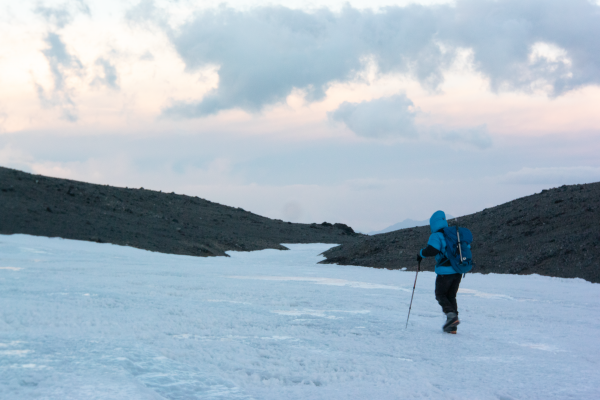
(437, 241)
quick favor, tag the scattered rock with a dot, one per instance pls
(554, 233)
(138, 218)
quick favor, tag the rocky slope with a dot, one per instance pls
(146, 219)
(554, 233)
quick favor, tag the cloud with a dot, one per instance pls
(3, 118)
(506, 35)
(385, 117)
(62, 64)
(63, 15)
(264, 53)
(477, 136)
(108, 77)
(361, 183)
(82, 7)
(59, 17)
(553, 176)
(147, 56)
(146, 14)
(394, 117)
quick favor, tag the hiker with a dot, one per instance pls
(448, 276)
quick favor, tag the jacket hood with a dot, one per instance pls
(437, 221)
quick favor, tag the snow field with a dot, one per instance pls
(82, 320)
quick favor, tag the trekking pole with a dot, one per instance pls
(458, 245)
(413, 294)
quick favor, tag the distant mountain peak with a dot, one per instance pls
(407, 223)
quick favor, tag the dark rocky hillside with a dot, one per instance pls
(554, 233)
(146, 219)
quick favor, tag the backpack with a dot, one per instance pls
(455, 248)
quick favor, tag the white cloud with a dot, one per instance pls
(58, 17)
(380, 118)
(107, 76)
(265, 53)
(553, 176)
(366, 184)
(394, 117)
(478, 136)
(62, 65)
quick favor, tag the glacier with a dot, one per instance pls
(83, 320)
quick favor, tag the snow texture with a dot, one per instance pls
(82, 320)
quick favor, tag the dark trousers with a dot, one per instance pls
(446, 287)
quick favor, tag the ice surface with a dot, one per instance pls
(81, 320)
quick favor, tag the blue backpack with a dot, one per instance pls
(458, 248)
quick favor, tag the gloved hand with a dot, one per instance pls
(419, 258)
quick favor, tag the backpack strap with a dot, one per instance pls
(444, 262)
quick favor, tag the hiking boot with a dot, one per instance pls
(451, 322)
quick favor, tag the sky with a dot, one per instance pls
(361, 112)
